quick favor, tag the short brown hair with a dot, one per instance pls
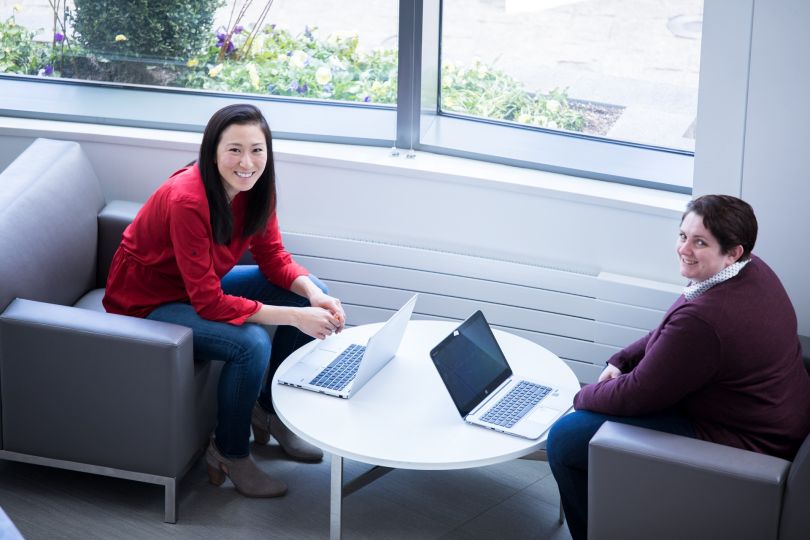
(730, 220)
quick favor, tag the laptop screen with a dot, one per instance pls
(470, 363)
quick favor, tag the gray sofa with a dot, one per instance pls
(82, 389)
(648, 484)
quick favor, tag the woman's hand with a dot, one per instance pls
(317, 322)
(610, 372)
(304, 286)
(332, 305)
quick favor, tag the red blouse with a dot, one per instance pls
(168, 254)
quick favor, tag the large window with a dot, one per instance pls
(604, 89)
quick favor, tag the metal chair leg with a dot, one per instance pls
(170, 501)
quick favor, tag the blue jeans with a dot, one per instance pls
(246, 350)
(567, 448)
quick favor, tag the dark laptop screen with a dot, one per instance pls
(470, 363)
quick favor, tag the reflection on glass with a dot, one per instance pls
(304, 48)
(621, 69)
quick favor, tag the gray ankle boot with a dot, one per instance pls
(266, 424)
(246, 476)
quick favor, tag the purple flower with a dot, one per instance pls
(303, 89)
(294, 86)
(367, 99)
(59, 37)
(238, 29)
(271, 88)
(289, 53)
(327, 88)
(221, 39)
(307, 32)
(48, 70)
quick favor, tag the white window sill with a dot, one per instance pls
(376, 159)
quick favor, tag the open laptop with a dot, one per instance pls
(338, 370)
(484, 390)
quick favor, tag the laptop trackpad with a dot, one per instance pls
(320, 357)
(542, 416)
(310, 365)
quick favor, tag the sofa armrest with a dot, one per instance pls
(91, 387)
(112, 220)
(648, 484)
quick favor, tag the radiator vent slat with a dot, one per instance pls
(582, 318)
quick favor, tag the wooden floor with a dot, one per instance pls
(517, 499)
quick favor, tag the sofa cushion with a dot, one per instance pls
(92, 301)
(112, 220)
(49, 203)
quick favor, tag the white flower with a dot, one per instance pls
(323, 75)
(257, 45)
(299, 59)
(254, 75)
(553, 106)
(214, 71)
(336, 62)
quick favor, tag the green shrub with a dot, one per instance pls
(19, 53)
(146, 28)
(281, 64)
(482, 91)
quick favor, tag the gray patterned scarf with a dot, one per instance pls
(693, 290)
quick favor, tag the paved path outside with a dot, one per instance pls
(639, 54)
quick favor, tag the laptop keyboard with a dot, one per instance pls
(341, 370)
(514, 405)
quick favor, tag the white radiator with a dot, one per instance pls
(582, 318)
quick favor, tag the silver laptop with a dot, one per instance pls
(334, 369)
(484, 390)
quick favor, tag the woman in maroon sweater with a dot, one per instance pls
(177, 264)
(724, 365)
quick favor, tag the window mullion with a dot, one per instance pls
(409, 74)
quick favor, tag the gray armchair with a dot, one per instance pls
(82, 389)
(648, 484)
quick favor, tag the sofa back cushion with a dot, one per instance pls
(112, 221)
(50, 198)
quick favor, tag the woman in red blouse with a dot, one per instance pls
(177, 263)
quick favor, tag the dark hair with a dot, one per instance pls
(261, 197)
(729, 219)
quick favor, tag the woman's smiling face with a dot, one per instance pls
(241, 157)
(699, 251)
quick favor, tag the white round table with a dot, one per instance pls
(403, 417)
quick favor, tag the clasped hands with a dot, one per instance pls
(324, 318)
(610, 372)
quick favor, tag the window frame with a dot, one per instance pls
(416, 123)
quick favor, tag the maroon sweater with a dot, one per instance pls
(730, 361)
